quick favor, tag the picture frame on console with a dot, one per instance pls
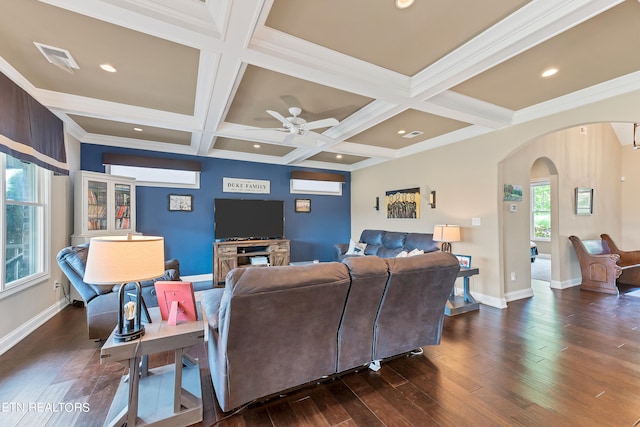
(181, 202)
(303, 205)
(464, 260)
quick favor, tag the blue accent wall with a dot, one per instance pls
(189, 235)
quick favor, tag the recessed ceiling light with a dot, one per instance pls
(108, 68)
(402, 132)
(256, 145)
(550, 72)
(138, 129)
(338, 156)
(403, 4)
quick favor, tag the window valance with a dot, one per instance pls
(29, 131)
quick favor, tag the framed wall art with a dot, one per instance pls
(303, 205)
(403, 203)
(181, 202)
(584, 201)
(512, 193)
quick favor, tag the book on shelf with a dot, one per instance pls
(92, 198)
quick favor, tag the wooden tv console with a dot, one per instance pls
(238, 253)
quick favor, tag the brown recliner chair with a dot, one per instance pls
(629, 262)
(598, 265)
(273, 328)
(412, 308)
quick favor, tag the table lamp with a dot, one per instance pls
(125, 259)
(446, 234)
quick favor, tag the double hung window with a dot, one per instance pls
(24, 216)
(540, 210)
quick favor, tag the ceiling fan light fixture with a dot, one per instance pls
(403, 4)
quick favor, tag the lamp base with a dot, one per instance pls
(128, 336)
(446, 247)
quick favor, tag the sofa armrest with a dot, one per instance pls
(211, 306)
(71, 261)
(340, 249)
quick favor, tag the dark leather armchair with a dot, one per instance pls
(629, 262)
(102, 300)
(598, 265)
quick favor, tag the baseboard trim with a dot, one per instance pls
(197, 278)
(521, 294)
(556, 284)
(13, 338)
(489, 300)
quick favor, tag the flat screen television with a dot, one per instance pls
(244, 219)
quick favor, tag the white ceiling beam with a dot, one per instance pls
(529, 26)
(107, 110)
(194, 27)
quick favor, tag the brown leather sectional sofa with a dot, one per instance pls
(272, 329)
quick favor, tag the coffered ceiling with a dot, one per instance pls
(196, 77)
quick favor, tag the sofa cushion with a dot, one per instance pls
(372, 249)
(393, 239)
(423, 241)
(372, 237)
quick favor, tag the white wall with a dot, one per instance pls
(468, 177)
(629, 239)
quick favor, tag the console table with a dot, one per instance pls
(239, 253)
(464, 303)
(166, 395)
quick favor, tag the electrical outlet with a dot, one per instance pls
(513, 276)
(56, 284)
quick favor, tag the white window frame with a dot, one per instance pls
(43, 195)
(307, 186)
(157, 177)
(536, 183)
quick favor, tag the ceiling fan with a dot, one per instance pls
(296, 125)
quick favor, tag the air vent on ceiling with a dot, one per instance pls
(412, 134)
(58, 57)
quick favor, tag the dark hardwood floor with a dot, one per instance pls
(561, 358)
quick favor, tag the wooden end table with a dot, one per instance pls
(462, 304)
(166, 395)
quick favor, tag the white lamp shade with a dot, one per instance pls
(446, 233)
(123, 259)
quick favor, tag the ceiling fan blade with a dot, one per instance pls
(260, 129)
(324, 123)
(289, 138)
(321, 139)
(280, 117)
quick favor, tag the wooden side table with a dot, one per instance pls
(465, 303)
(167, 395)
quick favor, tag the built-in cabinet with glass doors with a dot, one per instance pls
(105, 205)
